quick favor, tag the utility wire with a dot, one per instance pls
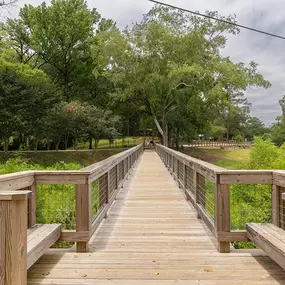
(216, 19)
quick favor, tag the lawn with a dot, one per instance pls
(226, 158)
(50, 158)
(117, 143)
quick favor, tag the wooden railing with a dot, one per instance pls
(91, 192)
(207, 143)
(220, 195)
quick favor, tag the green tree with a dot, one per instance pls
(100, 124)
(25, 98)
(170, 53)
(61, 36)
(18, 37)
(254, 127)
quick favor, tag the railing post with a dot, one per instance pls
(108, 194)
(117, 175)
(222, 213)
(275, 205)
(32, 206)
(200, 190)
(123, 169)
(83, 213)
(13, 237)
(129, 165)
(184, 176)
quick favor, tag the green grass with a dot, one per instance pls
(229, 164)
(228, 158)
(117, 143)
(236, 154)
(49, 159)
(56, 204)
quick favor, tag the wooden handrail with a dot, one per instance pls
(82, 179)
(219, 221)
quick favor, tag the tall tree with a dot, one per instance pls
(170, 53)
(25, 98)
(60, 35)
(19, 39)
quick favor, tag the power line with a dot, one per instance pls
(219, 20)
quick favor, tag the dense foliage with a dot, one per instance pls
(67, 75)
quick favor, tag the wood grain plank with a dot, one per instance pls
(152, 236)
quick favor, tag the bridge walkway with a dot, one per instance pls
(152, 236)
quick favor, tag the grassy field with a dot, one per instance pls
(230, 158)
(49, 158)
(56, 203)
(227, 158)
(117, 143)
(249, 203)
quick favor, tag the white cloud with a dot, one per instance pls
(267, 15)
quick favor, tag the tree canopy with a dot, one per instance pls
(68, 74)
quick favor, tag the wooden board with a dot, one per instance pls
(152, 236)
(40, 238)
(270, 238)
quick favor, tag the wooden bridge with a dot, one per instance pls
(137, 224)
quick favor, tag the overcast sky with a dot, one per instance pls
(268, 15)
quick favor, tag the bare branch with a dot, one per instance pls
(7, 3)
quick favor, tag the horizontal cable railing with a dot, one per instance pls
(78, 200)
(228, 199)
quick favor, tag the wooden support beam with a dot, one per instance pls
(200, 190)
(13, 237)
(184, 177)
(232, 236)
(32, 206)
(83, 213)
(108, 187)
(275, 205)
(61, 177)
(281, 208)
(222, 214)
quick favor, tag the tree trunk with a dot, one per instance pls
(28, 143)
(66, 87)
(6, 145)
(144, 137)
(90, 143)
(228, 124)
(48, 146)
(36, 143)
(165, 130)
(57, 146)
(96, 143)
(177, 139)
(162, 130)
(228, 130)
(75, 144)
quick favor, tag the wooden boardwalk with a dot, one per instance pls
(152, 236)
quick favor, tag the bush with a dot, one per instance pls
(252, 203)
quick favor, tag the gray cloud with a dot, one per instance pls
(267, 15)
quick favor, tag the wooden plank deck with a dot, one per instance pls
(152, 236)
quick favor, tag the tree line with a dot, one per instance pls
(67, 74)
